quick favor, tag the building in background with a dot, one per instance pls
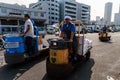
(51, 7)
(76, 10)
(52, 11)
(83, 13)
(13, 15)
(108, 12)
(117, 18)
(17, 11)
(68, 8)
(100, 21)
(97, 18)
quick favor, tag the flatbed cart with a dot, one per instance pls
(60, 62)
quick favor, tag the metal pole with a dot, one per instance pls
(83, 39)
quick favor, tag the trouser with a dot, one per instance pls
(75, 46)
(29, 45)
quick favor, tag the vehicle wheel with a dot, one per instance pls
(0, 48)
(58, 71)
(43, 36)
(99, 39)
(14, 58)
(88, 55)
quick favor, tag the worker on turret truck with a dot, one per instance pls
(28, 34)
(104, 29)
(68, 33)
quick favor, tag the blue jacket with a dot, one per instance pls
(70, 26)
(104, 28)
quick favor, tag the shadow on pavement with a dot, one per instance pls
(13, 72)
(82, 72)
(110, 42)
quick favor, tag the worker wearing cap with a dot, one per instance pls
(68, 32)
(104, 29)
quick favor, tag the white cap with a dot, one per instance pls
(68, 17)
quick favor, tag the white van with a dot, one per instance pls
(42, 31)
(50, 30)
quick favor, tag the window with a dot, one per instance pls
(84, 7)
(35, 13)
(52, 17)
(42, 15)
(15, 14)
(6, 29)
(9, 22)
(56, 1)
(56, 10)
(40, 8)
(22, 12)
(21, 22)
(3, 10)
(30, 13)
(68, 3)
(52, 22)
(52, 0)
(52, 4)
(14, 29)
(52, 13)
(56, 5)
(52, 8)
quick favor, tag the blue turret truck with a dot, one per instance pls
(15, 47)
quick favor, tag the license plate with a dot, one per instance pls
(11, 45)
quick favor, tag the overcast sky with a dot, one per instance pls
(97, 6)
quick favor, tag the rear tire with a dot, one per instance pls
(88, 54)
(109, 39)
(58, 71)
(14, 58)
(43, 36)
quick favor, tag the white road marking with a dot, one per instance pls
(2, 60)
(110, 78)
